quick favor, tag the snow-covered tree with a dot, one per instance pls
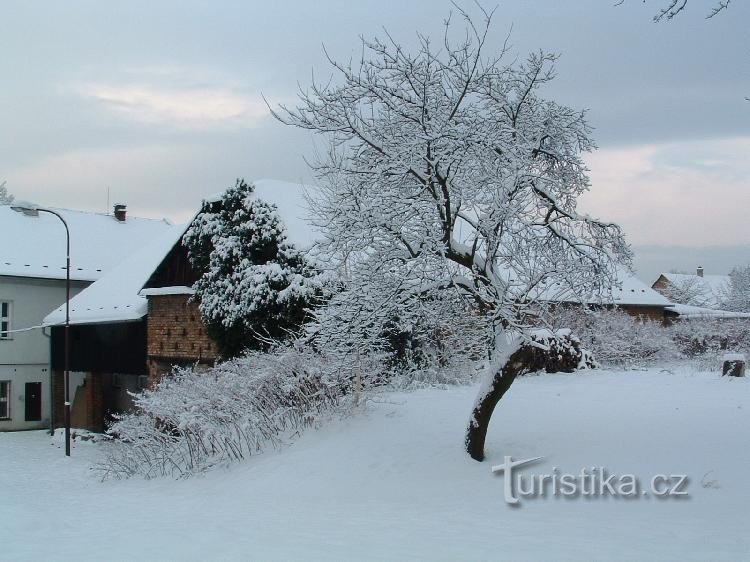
(449, 176)
(255, 287)
(737, 296)
(5, 197)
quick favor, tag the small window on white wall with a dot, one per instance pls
(4, 399)
(5, 320)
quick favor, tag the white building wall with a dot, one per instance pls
(25, 357)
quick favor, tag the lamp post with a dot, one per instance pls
(30, 209)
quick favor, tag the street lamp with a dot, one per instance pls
(29, 209)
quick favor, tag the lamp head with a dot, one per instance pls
(28, 209)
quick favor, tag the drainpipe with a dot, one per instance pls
(51, 386)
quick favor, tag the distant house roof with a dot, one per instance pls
(119, 296)
(35, 246)
(630, 292)
(712, 282)
(633, 291)
(712, 288)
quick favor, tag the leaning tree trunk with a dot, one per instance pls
(491, 395)
(552, 352)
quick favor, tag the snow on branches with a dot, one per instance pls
(194, 420)
(449, 177)
(255, 286)
(737, 297)
(448, 173)
(5, 197)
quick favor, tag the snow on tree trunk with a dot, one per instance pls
(553, 352)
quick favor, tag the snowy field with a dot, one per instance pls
(394, 483)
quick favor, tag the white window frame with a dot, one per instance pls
(6, 320)
(5, 400)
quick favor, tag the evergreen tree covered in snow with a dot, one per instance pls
(255, 287)
(5, 197)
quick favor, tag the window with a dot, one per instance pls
(4, 399)
(4, 320)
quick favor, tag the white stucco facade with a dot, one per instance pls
(25, 356)
(32, 284)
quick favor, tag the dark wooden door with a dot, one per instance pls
(33, 401)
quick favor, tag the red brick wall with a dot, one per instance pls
(653, 313)
(175, 334)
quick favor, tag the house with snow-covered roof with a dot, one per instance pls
(138, 321)
(705, 291)
(32, 282)
(636, 298)
(628, 293)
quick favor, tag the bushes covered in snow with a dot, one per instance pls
(737, 296)
(707, 339)
(193, 420)
(617, 338)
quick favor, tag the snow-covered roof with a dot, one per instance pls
(707, 290)
(633, 291)
(115, 297)
(118, 295)
(160, 291)
(34, 246)
(714, 283)
(688, 311)
(630, 292)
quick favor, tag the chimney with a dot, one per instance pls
(699, 271)
(120, 212)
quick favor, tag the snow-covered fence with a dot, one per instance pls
(194, 420)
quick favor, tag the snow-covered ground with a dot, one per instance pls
(394, 483)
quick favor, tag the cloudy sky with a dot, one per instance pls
(161, 102)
